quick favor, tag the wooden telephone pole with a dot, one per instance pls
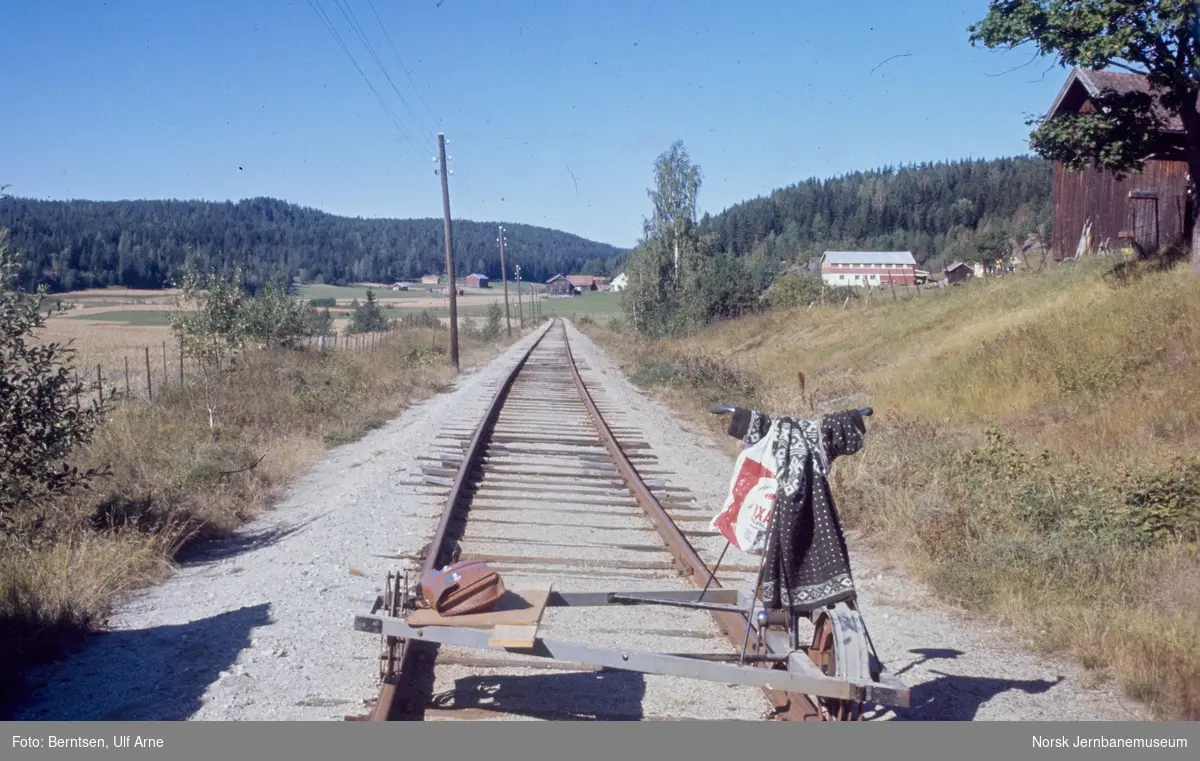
(504, 274)
(520, 306)
(449, 253)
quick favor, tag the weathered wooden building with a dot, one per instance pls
(1094, 209)
(959, 272)
(587, 282)
(559, 285)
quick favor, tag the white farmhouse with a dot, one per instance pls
(863, 268)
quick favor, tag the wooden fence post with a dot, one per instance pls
(149, 384)
(99, 383)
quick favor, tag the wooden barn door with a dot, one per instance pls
(1143, 208)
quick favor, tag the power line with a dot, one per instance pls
(329, 26)
(404, 68)
(357, 29)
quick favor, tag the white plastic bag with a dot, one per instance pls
(743, 519)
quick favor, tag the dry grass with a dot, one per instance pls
(109, 344)
(171, 480)
(1033, 453)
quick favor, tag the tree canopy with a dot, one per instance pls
(1155, 39)
(936, 210)
(677, 280)
(71, 245)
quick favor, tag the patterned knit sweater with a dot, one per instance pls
(807, 564)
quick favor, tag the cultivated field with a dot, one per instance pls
(115, 327)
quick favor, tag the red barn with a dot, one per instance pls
(1094, 209)
(477, 281)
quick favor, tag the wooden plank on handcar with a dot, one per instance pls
(515, 637)
(516, 608)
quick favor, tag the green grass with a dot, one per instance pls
(419, 290)
(131, 317)
(349, 293)
(590, 304)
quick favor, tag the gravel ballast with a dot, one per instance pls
(258, 627)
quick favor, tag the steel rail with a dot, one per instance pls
(394, 702)
(390, 703)
(789, 706)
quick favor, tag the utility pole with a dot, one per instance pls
(504, 274)
(449, 253)
(520, 307)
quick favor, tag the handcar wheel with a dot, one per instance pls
(822, 654)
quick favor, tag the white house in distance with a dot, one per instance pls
(618, 283)
(863, 268)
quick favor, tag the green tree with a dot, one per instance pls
(42, 422)
(276, 317)
(148, 243)
(1159, 39)
(665, 268)
(368, 317)
(491, 328)
(211, 322)
(677, 184)
(727, 288)
(594, 267)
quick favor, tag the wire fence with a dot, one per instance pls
(149, 371)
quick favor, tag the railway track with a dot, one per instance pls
(555, 486)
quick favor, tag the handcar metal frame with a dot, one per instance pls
(839, 669)
(854, 675)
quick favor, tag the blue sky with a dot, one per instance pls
(555, 111)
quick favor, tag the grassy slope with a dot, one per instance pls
(170, 480)
(1032, 434)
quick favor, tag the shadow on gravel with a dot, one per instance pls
(155, 674)
(931, 654)
(222, 548)
(958, 698)
(954, 697)
(589, 696)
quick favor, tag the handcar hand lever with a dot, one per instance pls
(725, 409)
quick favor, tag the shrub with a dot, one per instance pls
(42, 421)
(491, 329)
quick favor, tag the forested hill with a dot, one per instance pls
(71, 245)
(939, 211)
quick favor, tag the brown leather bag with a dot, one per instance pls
(469, 586)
